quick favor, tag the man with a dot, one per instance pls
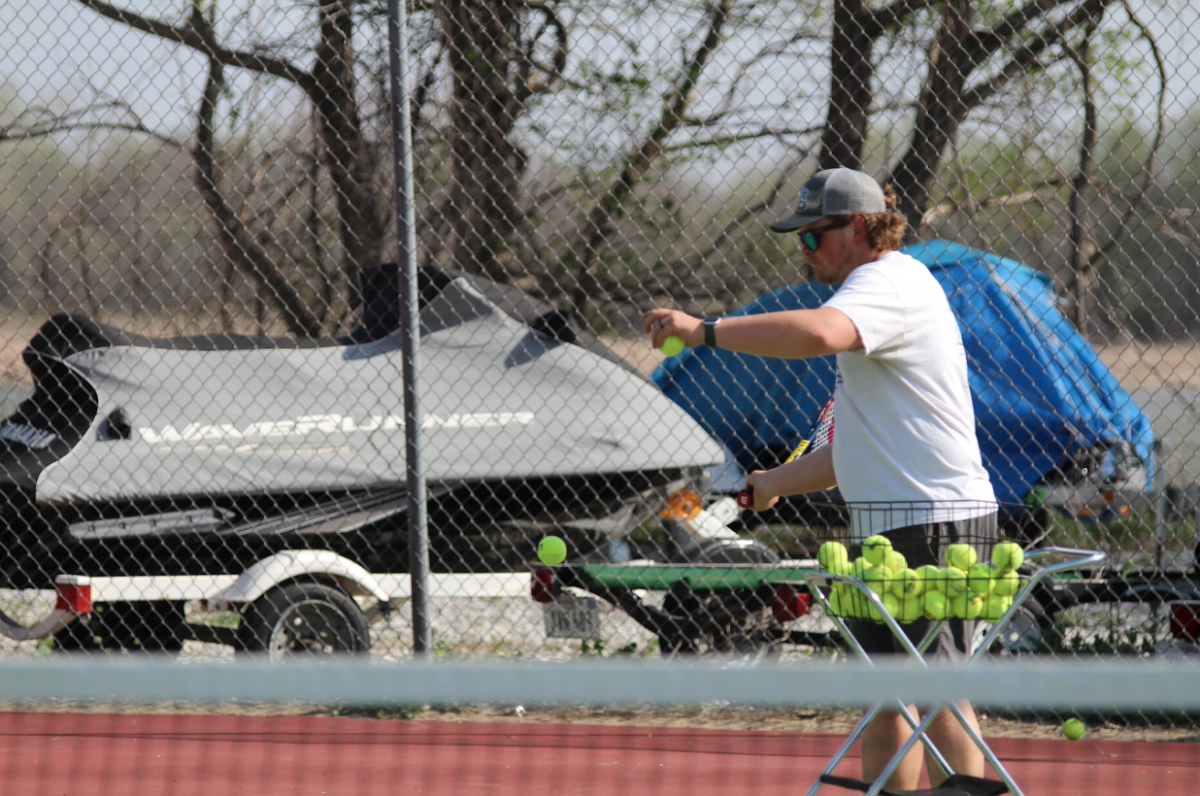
(905, 426)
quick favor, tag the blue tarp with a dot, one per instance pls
(1040, 390)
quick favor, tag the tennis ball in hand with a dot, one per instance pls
(876, 548)
(1074, 729)
(961, 555)
(1008, 556)
(552, 551)
(672, 346)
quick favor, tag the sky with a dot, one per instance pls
(56, 51)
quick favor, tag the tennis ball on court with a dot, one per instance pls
(961, 555)
(979, 579)
(831, 553)
(875, 549)
(552, 551)
(673, 346)
(954, 580)
(1074, 729)
(1006, 584)
(935, 605)
(1008, 556)
(932, 578)
(907, 584)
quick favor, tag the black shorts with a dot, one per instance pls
(921, 545)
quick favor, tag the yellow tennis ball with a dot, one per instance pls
(1074, 729)
(892, 603)
(844, 568)
(932, 578)
(961, 555)
(895, 561)
(979, 579)
(673, 346)
(955, 581)
(907, 584)
(995, 606)
(831, 553)
(935, 605)
(1008, 556)
(877, 578)
(1006, 584)
(835, 602)
(552, 551)
(911, 609)
(875, 549)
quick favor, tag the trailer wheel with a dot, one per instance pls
(304, 619)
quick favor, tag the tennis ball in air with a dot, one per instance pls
(935, 605)
(1008, 556)
(1074, 729)
(552, 551)
(961, 555)
(875, 549)
(979, 579)
(954, 580)
(672, 346)
(831, 553)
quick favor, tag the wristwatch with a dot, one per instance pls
(710, 331)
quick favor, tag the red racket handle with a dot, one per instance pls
(745, 498)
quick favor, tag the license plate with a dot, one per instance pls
(570, 617)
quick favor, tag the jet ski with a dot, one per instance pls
(203, 454)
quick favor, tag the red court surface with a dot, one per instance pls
(81, 755)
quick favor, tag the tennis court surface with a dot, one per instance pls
(155, 728)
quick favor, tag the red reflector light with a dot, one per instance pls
(788, 603)
(541, 586)
(74, 593)
(1185, 620)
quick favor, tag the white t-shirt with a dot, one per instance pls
(905, 443)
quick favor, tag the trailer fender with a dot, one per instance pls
(289, 565)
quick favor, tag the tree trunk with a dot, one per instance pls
(940, 111)
(362, 229)
(481, 210)
(850, 92)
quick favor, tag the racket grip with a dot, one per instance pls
(745, 498)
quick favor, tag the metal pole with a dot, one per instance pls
(410, 331)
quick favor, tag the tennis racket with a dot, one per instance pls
(820, 436)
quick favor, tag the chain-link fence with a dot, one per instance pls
(205, 432)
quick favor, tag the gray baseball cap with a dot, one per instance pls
(834, 192)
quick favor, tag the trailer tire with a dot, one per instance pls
(304, 619)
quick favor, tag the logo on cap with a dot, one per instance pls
(803, 198)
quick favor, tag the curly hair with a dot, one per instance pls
(885, 231)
